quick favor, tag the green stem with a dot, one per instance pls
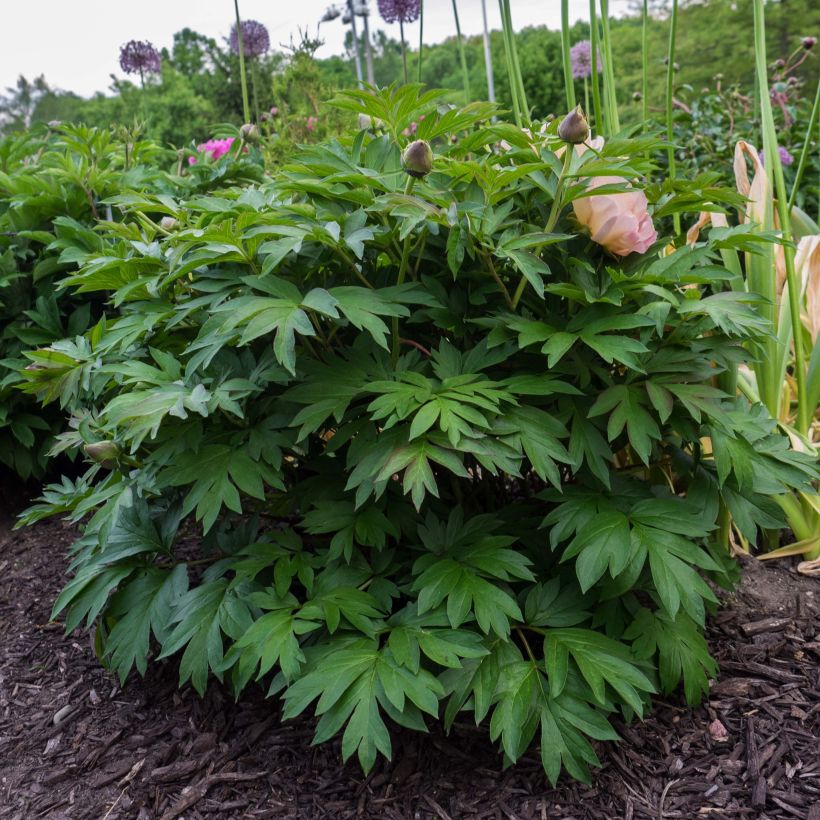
(774, 166)
(464, 70)
(405, 258)
(610, 100)
(670, 75)
(516, 105)
(403, 51)
(246, 109)
(555, 210)
(593, 43)
(421, 34)
(804, 153)
(569, 83)
(253, 86)
(645, 65)
(586, 96)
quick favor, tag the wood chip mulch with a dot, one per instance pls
(73, 744)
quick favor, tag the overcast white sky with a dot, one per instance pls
(75, 43)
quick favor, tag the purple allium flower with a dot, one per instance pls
(400, 11)
(255, 39)
(785, 157)
(139, 57)
(581, 56)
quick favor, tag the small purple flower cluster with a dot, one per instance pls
(785, 157)
(400, 11)
(139, 57)
(581, 56)
(255, 39)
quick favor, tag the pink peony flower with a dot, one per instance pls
(213, 149)
(619, 222)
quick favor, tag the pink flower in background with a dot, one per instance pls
(619, 222)
(274, 111)
(213, 149)
(311, 123)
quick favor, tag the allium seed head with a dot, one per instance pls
(581, 56)
(139, 57)
(255, 39)
(400, 11)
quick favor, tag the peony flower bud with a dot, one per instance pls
(103, 452)
(574, 128)
(168, 223)
(418, 159)
(809, 43)
(637, 96)
(249, 133)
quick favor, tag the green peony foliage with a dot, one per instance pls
(442, 460)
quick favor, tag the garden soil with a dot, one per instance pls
(74, 744)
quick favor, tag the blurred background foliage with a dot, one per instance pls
(199, 83)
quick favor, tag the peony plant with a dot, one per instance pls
(397, 437)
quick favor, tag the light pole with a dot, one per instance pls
(364, 12)
(488, 56)
(356, 56)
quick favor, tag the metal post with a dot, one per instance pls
(356, 56)
(488, 56)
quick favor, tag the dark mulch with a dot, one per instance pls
(73, 744)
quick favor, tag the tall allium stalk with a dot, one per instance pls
(401, 12)
(596, 66)
(613, 124)
(364, 13)
(246, 109)
(255, 43)
(519, 95)
(670, 77)
(140, 57)
(464, 70)
(569, 85)
(645, 64)
(421, 35)
(774, 171)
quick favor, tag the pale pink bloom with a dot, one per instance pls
(620, 222)
(718, 731)
(213, 149)
(311, 123)
(274, 111)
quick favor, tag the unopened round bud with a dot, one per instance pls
(574, 128)
(779, 63)
(793, 81)
(637, 96)
(103, 452)
(168, 223)
(809, 42)
(418, 159)
(249, 133)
